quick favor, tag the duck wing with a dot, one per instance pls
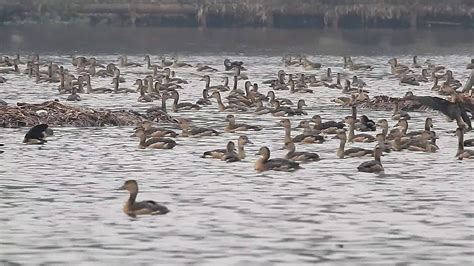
(448, 108)
(279, 164)
(221, 152)
(370, 166)
(330, 124)
(156, 140)
(149, 205)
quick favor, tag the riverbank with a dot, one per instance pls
(244, 13)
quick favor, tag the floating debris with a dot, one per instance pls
(54, 113)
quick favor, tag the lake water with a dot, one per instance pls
(60, 204)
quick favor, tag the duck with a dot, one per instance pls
(223, 108)
(327, 77)
(239, 75)
(124, 62)
(383, 124)
(148, 63)
(264, 163)
(421, 143)
(358, 82)
(352, 152)
(353, 66)
(299, 108)
(408, 80)
(470, 65)
(229, 65)
(283, 101)
(177, 64)
(37, 134)
(373, 166)
(144, 97)
(154, 132)
(308, 65)
(205, 98)
(260, 109)
(298, 90)
(415, 63)
(328, 127)
(463, 153)
(89, 88)
(183, 105)
(133, 208)
(469, 143)
(366, 124)
(166, 63)
(281, 110)
(423, 77)
(397, 69)
(382, 143)
(403, 124)
(196, 131)
(14, 70)
(232, 156)
(154, 142)
(303, 138)
(224, 87)
(357, 137)
(204, 68)
(220, 153)
(73, 96)
(293, 155)
(399, 143)
(399, 114)
(232, 126)
(307, 129)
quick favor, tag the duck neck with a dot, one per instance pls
(163, 103)
(241, 151)
(175, 103)
(132, 198)
(148, 62)
(150, 85)
(385, 131)
(220, 103)
(116, 86)
(460, 142)
(377, 155)
(287, 134)
(354, 112)
(208, 82)
(427, 127)
(351, 131)
(142, 138)
(235, 83)
(88, 85)
(340, 150)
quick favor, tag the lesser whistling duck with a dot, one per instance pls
(264, 163)
(133, 208)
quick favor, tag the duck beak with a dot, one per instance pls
(249, 142)
(133, 135)
(335, 137)
(258, 153)
(121, 188)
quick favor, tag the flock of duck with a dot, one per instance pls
(162, 84)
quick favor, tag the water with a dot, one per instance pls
(60, 206)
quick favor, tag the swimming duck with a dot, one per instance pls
(328, 127)
(196, 131)
(89, 88)
(232, 156)
(299, 108)
(348, 89)
(73, 96)
(183, 105)
(308, 65)
(165, 63)
(423, 77)
(154, 132)
(357, 137)
(366, 124)
(471, 65)
(353, 66)
(298, 90)
(374, 166)
(239, 75)
(408, 80)
(14, 70)
(229, 65)
(177, 64)
(327, 77)
(304, 138)
(144, 97)
(352, 152)
(397, 69)
(469, 143)
(148, 63)
(283, 101)
(260, 109)
(223, 108)
(399, 143)
(358, 82)
(399, 114)
(307, 129)
(124, 62)
(37, 134)
(265, 164)
(281, 110)
(301, 156)
(415, 63)
(154, 142)
(232, 126)
(382, 143)
(463, 153)
(220, 153)
(421, 143)
(133, 208)
(403, 124)
(204, 68)
(205, 98)
(224, 87)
